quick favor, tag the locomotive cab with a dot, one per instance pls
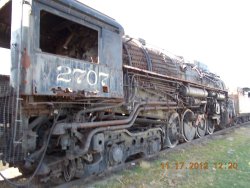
(62, 51)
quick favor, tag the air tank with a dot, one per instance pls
(188, 91)
(220, 97)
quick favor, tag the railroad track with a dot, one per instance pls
(78, 183)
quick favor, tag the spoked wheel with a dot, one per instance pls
(172, 130)
(188, 128)
(210, 126)
(201, 128)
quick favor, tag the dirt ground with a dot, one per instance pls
(217, 161)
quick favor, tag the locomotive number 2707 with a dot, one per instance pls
(66, 74)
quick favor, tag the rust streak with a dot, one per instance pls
(25, 59)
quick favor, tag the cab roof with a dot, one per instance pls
(73, 5)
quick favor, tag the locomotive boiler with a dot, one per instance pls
(82, 97)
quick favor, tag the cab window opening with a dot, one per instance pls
(67, 38)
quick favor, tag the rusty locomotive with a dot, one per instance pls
(82, 97)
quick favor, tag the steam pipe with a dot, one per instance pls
(97, 109)
(85, 149)
(39, 120)
(61, 127)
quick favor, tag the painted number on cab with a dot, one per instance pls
(67, 74)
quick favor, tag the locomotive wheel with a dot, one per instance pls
(202, 128)
(172, 130)
(210, 127)
(188, 128)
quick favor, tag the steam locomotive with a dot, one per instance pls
(82, 97)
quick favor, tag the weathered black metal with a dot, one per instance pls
(81, 97)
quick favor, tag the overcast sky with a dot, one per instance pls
(215, 32)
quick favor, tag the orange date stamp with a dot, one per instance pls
(181, 165)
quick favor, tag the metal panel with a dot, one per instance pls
(51, 74)
(111, 58)
(55, 75)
